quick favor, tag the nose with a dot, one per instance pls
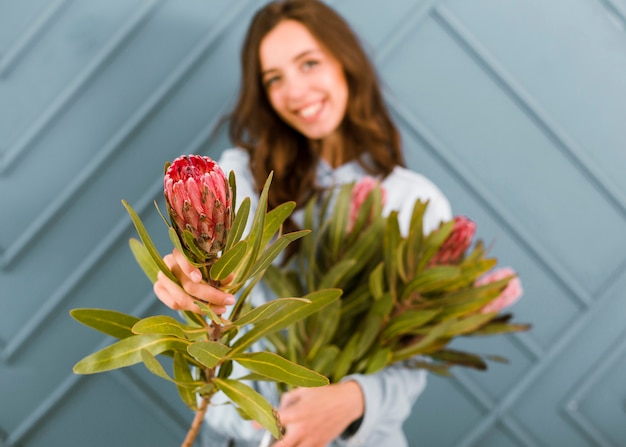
(295, 87)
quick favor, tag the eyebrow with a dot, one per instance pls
(298, 56)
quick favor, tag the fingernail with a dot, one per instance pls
(229, 300)
(196, 276)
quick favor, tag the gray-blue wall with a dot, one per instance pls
(516, 108)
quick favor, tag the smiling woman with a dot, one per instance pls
(310, 110)
(305, 84)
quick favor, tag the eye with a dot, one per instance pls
(309, 63)
(271, 81)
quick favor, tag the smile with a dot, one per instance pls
(310, 111)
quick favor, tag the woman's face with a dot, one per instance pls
(305, 84)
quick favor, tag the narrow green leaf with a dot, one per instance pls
(271, 253)
(127, 352)
(377, 281)
(238, 225)
(280, 369)
(338, 222)
(143, 258)
(370, 330)
(110, 322)
(209, 353)
(346, 358)
(252, 403)
(182, 374)
(229, 261)
(467, 324)
(208, 311)
(460, 358)
(265, 311)
(154, 366)
(274, 219)
(415, 237)
(380, 359)
(294, 311)
(325, 359)
(407, 323)
(147, 242)
(336, 275)
(431, 279)
(324, 325)
(160, 324)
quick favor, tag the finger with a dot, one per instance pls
(172, 295)
(185, 267)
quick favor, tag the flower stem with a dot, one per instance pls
(192, 434)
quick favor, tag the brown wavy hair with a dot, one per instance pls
(275, 146)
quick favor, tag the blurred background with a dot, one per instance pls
(515, 108)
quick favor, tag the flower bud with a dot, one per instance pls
(198, 198)
(455, 246)
(509, 295)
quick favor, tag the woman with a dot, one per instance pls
(310, 109)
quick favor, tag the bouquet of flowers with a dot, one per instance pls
(201, 349)
(405, 297)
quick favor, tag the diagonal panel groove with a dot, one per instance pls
(51, 401)
(564, 279)
(29, 37)
(75, 87)
(615, 11)
(539, 116)
(117, 140)
(91, 262)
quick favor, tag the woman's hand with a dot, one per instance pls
(193, 287)
(313, 417)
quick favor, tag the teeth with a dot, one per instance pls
(310, 110)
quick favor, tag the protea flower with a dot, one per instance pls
(455, 246)
(359, 194)
(198, 198)
(509, 295)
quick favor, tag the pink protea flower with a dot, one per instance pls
(198, 198)
(509, 295)
(453, 249)
(361, 190)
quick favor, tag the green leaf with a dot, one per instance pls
(280, 369)
(415, 238)
(370, 331)
(345, 359)
(460, 358)
(419, 347)
(143, 258)
(431, 279)
(110, 322)
(161, 324)
(293, 311)
(147, 242)
(252, 403)
(338, 222)
(232, 182)
(182, 375)
(377, 281)
(239, 224)
(337, 274)
(324, 325)
(229, 261)
(467, 324)
(380, 359)
(274, 219)
(433, 242)
(265, 311)
(209, 353)
(407, 323)
(325, 359)
(154, 366)
(208, 311)
(271, 253)
(127, 352)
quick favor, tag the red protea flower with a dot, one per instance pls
(198, 198)
(455, 246)
(359, 193)
(509, 295)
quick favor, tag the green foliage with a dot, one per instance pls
(396, 304)
(203, 346)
